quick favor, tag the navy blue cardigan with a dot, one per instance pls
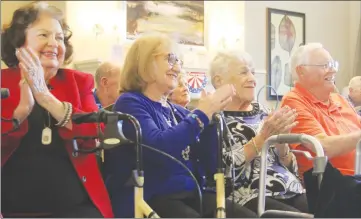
(162, 175)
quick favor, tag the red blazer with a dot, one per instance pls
(74, 87)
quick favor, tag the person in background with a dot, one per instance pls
(180, 95)
(41, 176)
(249, 125)
(354, 95)
(106, 92)
(321, 112)
(107, 84)
(149, 75)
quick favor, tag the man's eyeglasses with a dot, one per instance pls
(331, 66)
(173, 59)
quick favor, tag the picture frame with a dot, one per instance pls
(187, 27)
(286, 31)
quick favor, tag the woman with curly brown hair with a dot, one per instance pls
(41, 176)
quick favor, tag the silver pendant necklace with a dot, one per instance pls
(169, 120)
(46, 133)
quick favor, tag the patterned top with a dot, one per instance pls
(282, 183)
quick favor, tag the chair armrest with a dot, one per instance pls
(285, 214)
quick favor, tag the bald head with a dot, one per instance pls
(106, 70)
(107, 80)
(355, 82)
(355, 90)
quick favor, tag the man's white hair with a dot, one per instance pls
(355, 82)
(221, 62)
(301, 56)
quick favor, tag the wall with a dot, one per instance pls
(82, 16)
(327, 22)
(355, 19)
(221, 17)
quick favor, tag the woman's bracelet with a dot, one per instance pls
(22, 81)
(255, 146)
(200, 123)
(68, 108)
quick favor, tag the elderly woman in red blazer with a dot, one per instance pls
(41, 176)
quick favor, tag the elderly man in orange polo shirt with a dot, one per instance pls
(321, 112)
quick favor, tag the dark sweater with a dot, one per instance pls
(40, 178)
(162, 175)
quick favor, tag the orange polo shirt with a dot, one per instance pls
(316, 117)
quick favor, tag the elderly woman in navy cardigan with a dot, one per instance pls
(149, 75)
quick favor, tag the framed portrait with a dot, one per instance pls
(286, 31)
(181, 20)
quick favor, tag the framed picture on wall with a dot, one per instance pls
(286, 31)
(181, 20)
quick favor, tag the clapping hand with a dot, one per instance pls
(211, 103)
(32, 70)
(279, 122)
(35, 80)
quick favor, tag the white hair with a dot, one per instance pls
(301, 56)
(355, 82)
(221, 62)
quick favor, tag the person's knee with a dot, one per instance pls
(301, 203)
(234, 210)
(169, 208)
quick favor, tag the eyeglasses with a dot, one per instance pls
(331, 66)
(173, 59)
